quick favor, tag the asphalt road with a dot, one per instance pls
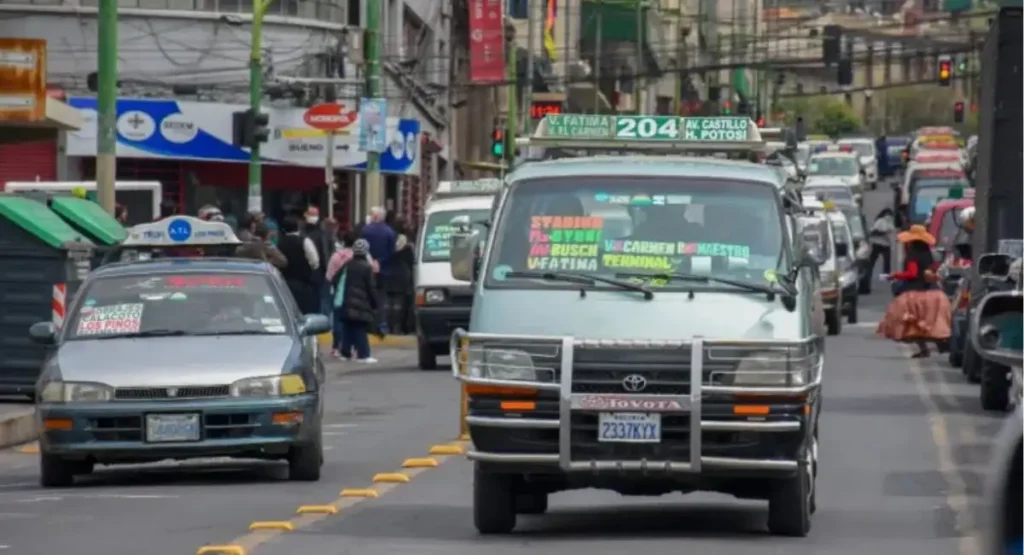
(904, 448)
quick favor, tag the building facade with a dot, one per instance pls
(192, 55)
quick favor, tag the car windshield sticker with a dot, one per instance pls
(154, 296)
(770, 276)
(216, 282)
(147, 283)
(269, 299)
(501, 271)
(111, 319)
(90, 302)
(663, 256)
(438, 241)
(564, 243)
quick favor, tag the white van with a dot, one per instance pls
(141, 198)
(443, 303)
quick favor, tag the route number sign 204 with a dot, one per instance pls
(651, 128)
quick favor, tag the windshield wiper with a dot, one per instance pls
(132, 335)
(697, 278)
(586, 279)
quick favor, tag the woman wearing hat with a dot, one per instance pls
(921, 312)
(356, 303)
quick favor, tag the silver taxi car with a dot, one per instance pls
(180, 359)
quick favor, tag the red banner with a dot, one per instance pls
(486, 42)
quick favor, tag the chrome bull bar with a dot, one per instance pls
(690, 404)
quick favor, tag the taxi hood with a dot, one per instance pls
(161, 361)
(626, 315)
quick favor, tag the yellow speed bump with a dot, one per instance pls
(446, 450)
(221, 550)
(371, 493)
(420, 463)
(30, 449)
(390, 478)
(272, 525)
(317, 510)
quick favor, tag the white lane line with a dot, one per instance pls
(863, 325)
(956, 495)
(334, 426)
(334, 434)
(5, 547)
(17, 485)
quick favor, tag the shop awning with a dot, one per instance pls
(59, 116)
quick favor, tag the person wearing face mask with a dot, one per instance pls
(321, 234)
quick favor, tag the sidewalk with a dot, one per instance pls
(389, 341)
(17, 424)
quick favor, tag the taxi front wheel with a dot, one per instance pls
(790, 504)
(305, 460)
(56, 472)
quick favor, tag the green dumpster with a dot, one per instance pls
(92, 221)
(43, 260)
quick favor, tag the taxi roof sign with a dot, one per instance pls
(181, 231)
(715, 134)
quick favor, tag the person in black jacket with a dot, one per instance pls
(303, 262)
(360, 303)
(401, 288)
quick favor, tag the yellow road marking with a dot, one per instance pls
(348, 497)
(390, 478)
(317, 509)
(956, 496)
(283, 525)
(420, 463)
(30, 449)
(367, 493)
(450, 449)
(221, 550)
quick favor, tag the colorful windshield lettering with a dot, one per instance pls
(111, 319)
(719, 249)
(564, 243)
(637, 262)
(204, 281)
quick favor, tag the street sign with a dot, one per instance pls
(329, 117)
(578, 126)
(647, 128)
(716, 129)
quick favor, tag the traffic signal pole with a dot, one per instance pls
(106, 104)
(512, 124)
(259, 10)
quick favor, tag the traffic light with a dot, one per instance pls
(961, 66)
(844, 72)
(249, 129)
(498, 142)
(958, 112)
(726, 108)
(945, 72)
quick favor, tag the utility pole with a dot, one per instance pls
(449, 169)
(106, 103)
(374, 194)
(531, 36)
(569, 54)
(259, 9)
(597, 55)
(512, 123)
(638, 79)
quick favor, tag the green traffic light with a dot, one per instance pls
(498, 149)
(962, 66)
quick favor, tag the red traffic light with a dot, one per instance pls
(959, 106)
(497, 134)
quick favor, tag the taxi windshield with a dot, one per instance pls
(833, 193)
(634, 227)
(833, 165)
(178, 304)
(856, 224)
(437, 236)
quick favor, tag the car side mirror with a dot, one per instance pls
(313, 324)
(997, 264)
(43, 333)
(811, 257)
(463, 259)
(996, 331)
(842, 250)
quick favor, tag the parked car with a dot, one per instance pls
(989, 275)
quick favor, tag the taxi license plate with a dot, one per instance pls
(629, 427)
(165, 428)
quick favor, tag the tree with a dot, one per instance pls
(822, 115)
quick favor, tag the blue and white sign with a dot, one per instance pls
(170, 129)
(179, 230)
(372, 124)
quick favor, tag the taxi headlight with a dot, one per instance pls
(269, 386)
(501, 364)
(769, 369)
(76, 392)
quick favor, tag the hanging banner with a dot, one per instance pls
(373, 114)
(486, 42)
(22, 80)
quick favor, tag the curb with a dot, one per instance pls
(391, 341)
(17, 428)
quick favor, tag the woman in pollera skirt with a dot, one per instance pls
(920, 313)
